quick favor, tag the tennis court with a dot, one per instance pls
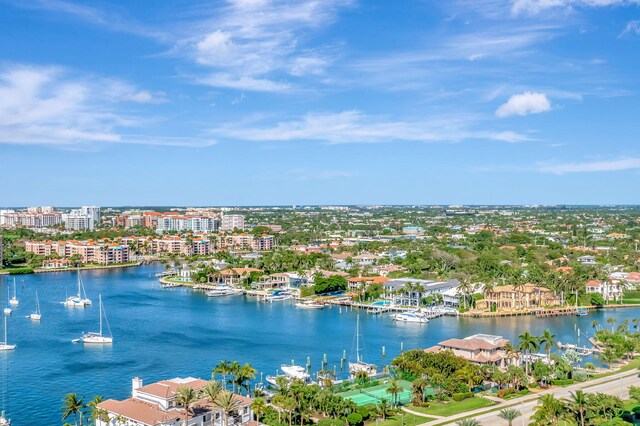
(374, 394)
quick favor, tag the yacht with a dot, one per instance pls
(581, 312)
(78, 301)
(14, 300)
(291, 372)
(222, 290)
(96, 338)
(309, 304)
(4, 345)
(36, 316)
(412, 316)
(359, 364)
(279, 295)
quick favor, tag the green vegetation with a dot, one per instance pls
(451, 408)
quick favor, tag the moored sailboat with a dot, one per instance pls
(14, 300)
(97, 338)
(4, 345)
(359, 364)
(78, 301)
(36, 316)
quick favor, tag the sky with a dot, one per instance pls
(273, 102)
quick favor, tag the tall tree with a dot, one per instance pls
(73, 405)
(509, 414)
(186, 396)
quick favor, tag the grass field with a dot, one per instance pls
(397, 420)
(453, 407)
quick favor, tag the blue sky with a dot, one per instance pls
(249, 102)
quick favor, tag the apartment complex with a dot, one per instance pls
(90, 251)
(30, 219)
(155, 405)
(232, 221)
(86, 217)
(246, 242)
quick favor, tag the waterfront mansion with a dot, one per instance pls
(155, 405)
(510, 297)
(480, 349)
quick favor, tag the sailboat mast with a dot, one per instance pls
(79, 293)
(358, 337)
(5, 331)
(100, 298)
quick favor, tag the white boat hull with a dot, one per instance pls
(35, 317)
(14, 302)
(7, 311)
(5, 347)
(309, 306)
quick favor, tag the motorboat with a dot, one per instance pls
(295, 372)
(222, 290)
(413, 316)
(96, 338)
(36, 316)
(279, 295)
(4, 345)
(581, 312)
(309, 304)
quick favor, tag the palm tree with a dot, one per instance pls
(528, 343)
(228, 403)
(468, 422)
(186, 396)
(211, 392)
(394, 389)
(578, 404)
(636, 322)
(418, 388)
(223, 368)
(95, 412)
(611, 321)
(550, 409)
(73, 405)
(595, 324)
(234, 369)
(509, 414)
(383, 408)
(548, 340)
(258, 406)
(245, 374)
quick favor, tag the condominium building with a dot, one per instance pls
(246, 242)
(35, 219)
(231, 222)
(187, 223)
(156, 405)
(90, 251)
(77, 221)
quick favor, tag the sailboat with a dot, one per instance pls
(8, 310)
(97, 338)
(78, 301)
(4, 421)
(14, 300)
(5, 346)
(36, 316)
(360, 365)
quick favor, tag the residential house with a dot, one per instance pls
(155, 405)
(509, 297)
(480, 349)
(395, 290)
(609, 290)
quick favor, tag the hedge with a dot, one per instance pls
(562, 382)
(462, 396)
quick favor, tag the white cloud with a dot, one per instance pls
(53, 106)
(524, 104)
(596, 166)
(534, 7)
(356, 127)
(250, 41)
(633, 27)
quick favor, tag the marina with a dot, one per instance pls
(172, 332)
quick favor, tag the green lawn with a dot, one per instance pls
(632, 365)
(396, 420)
(453, 407)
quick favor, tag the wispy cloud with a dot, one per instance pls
(100, 17)
(536, 6)
(524, 104)
(54, 106)
(257, 44)
(633, 27)
(356, 127)
(594, 166)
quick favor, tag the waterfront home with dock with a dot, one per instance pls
(233, 276)
(411, 291)
(480, 349)
(155, 405)
(509, 298)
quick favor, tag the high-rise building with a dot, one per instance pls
(77, 221)
(93, 212)
(232, 221)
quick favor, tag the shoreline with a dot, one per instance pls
(82, 268)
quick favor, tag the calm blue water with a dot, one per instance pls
(175, 332)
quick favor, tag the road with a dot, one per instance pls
(617, 384)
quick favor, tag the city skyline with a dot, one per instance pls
(327, 102)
